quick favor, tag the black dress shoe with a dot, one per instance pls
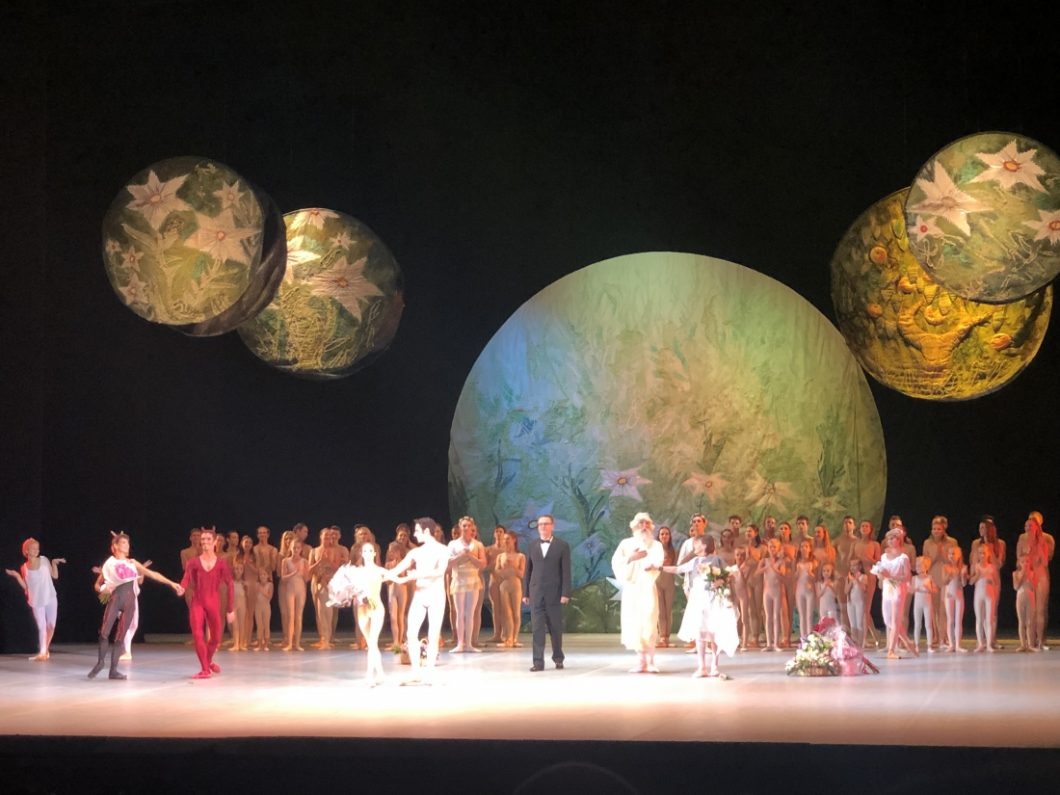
(559, 666)
(537, 668)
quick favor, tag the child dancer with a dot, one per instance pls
(925, 592)
(294, 571)
(120, 575)
(1024, 583)
(805, 593)
(987, 586)
(773, 570)
(827, 599)
(263, 608)
(955, 577)
(36, 578)
(239, 602)
(741, 597)
(709, 618)
(857, 588)
(206, 573)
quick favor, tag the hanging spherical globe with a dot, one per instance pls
(182, 242)
(339, 303)
(984, 217)
(914, 335)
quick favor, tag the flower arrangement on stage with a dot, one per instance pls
(814, 658)
(716, 580)
(829, 651)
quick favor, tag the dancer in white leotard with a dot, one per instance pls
(36, 577)
(425, 566)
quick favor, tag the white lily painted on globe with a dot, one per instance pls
(181, 241)
(986, 193)
(340, 299)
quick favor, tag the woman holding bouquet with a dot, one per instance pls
(709, 619)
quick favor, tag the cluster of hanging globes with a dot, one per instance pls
(189, 243)
(942, 289)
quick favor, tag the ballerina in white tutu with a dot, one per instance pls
(710, 618)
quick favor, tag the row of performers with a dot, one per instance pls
(774, 581)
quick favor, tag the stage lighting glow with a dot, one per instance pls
(671, 383)
(182, 242)
(912, 334)
(984, 216)
(340, 301)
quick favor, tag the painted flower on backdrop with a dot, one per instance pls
(829, 506)
(112, 246)
(297, 255)
(1047, 227)
(221, 238)
(341, 240)
(314, 218)
(943, 199)
(623, 482)
(1009, 167)
(592, 546)
(346, 283)
(131, 258)
(762, 493)
(135, 292)
(924, 227)
(713, 485)
(229, 194)
(155, 199)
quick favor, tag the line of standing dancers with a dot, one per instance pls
(777, 581)
(781, 581)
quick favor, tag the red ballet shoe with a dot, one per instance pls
(202, 675)
(215, 668)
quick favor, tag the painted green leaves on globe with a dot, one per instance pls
(340, 301)
(914, 335)
(182, 242)
(983, 217)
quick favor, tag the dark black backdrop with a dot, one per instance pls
(494, 148)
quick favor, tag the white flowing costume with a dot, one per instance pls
(640, 601)
(707, 616)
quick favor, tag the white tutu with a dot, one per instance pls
(344, 587)
(711, 618)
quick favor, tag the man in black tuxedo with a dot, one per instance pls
(546, 588)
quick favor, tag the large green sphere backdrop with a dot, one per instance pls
(671, 383)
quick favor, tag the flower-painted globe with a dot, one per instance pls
(668, 383)
(983, 217)
(915, 336)
(182, 241)
(340, 301)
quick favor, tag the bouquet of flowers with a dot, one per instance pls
(829, 651)
(814, 658)
(716, 581)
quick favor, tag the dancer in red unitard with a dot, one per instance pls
(204, 574)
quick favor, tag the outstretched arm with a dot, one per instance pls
(18, 577)
(55, 567)
(143, 571)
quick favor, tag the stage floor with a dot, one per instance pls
(1005, 699)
